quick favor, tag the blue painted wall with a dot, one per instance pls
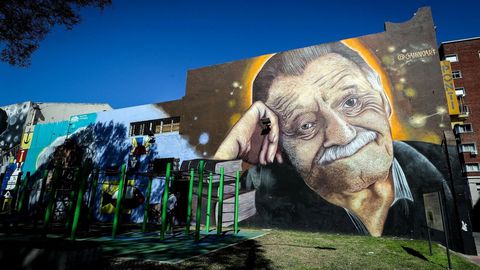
(104, 137)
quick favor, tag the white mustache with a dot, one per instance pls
(335, 152)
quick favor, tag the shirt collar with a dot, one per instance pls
(402, 190)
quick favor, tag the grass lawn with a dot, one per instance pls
(300, 250)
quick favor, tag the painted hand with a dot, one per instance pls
(244, 141)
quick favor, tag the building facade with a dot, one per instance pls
(344, 137)
(464, 58)
(17, 127)
(15, 119)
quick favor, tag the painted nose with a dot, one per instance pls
(337, 131)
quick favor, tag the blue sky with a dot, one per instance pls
(138, 52)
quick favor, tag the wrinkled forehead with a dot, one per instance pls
(326, 75)
(328, 65)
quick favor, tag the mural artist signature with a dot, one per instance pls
(417, 54)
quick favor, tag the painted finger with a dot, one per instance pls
(237, 142)
(263, 152)
(273, 135)
(279, 157)
(272, 150)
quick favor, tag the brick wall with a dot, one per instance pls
(468, 63)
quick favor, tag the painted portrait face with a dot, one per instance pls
(334, 125)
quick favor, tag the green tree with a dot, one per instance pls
(25, 23)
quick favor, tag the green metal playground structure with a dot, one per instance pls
(88, 178)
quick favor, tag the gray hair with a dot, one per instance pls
(294, 62)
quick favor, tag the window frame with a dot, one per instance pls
(470, 129)
(464, 92)
(462, 150)
(459, 76)
(450, 56)
(156, 126)
(471, 163)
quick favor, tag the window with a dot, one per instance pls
(464, 110)
(156, 126)
(456, 74)
(465, 128)
(471, 167)
(468, 148)
(460, 91)
(451, 57)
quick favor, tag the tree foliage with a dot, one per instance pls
(25, 23)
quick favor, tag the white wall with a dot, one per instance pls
(56, 112)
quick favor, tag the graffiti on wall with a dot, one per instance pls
(329, 114)
(12, 123)
(341, 137)
(109, 140)
(133, 197)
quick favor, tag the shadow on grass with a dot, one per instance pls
(419, 255)
(325, 248)
(415, 253)
(246, 255)
(46, 253)
(303, 246)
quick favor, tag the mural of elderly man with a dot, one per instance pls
(330, 132)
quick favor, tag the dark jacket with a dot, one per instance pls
(283, 200)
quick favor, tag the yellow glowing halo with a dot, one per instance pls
(398, 130)
(242, 104)
(254, 66)
(251, 72)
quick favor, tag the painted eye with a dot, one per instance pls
(351, 102)
(306, 126)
